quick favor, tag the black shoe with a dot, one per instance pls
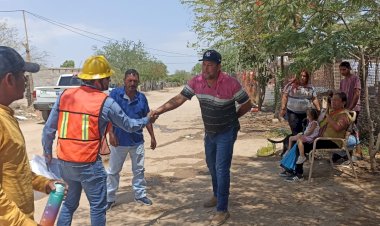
(285, 174)
(296, 178)
(144, 200)
(110, 205)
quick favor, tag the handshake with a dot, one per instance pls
(153, 115)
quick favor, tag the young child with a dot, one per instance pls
(310, 133)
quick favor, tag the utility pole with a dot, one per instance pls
(29, 83)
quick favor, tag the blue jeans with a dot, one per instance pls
(117, 158)
(92, 178)
(219, 149)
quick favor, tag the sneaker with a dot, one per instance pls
(294, 178)
(220, 218)
(301, 159)
(285, 174)
(210, 203)
(144, 200)
(110, 205)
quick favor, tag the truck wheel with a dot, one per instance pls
(45, 115)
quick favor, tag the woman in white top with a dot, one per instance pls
(297, 97)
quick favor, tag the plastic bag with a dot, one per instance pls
(352, 141)
(289, 160)
(39, 167)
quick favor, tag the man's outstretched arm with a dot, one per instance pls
(171, 104)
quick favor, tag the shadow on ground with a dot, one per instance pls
(258, 197)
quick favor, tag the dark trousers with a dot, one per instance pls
(357, 116)
(295, 121)
(323, 144)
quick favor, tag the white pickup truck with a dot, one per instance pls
(45, 96)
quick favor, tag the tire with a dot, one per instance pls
(45, 115)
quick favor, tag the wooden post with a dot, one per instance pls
(29, 84)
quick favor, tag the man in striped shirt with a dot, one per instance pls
(217, 93)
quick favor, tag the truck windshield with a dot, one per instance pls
(69, 81)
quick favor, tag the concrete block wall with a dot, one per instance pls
(49, 76)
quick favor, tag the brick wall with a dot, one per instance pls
(328, 77)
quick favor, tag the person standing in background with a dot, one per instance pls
(135, 105)
(297, 97)
(351, 86)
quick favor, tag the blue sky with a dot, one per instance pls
(162, 25)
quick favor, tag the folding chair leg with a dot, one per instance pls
(331, 162)
(351, 163)
(311, 165)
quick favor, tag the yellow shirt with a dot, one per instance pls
(342, 118)
(17, 181)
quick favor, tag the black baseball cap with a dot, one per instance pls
(212, 55)
(12, 61)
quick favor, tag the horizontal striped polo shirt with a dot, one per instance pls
(218, 101)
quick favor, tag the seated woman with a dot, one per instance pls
(333, 125)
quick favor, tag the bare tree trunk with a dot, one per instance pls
(29, 89)
(364, 72)
(277, 87)
(377, 77)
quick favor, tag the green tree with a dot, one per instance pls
(196, 69)
(180, 77)
(312, 32)
(235, 28)
(9, 37)
(68, 63)
(126, 54)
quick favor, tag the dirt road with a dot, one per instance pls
(178, 181)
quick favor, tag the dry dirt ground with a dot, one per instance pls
(178, 179)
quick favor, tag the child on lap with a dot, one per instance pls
(310, 133)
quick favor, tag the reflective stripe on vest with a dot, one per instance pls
(63, 130)
(85, 123)
(79, 137)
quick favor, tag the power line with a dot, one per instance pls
(57, 24)
(82, 31)
(70, 28)
(10, 11)
(65, 25)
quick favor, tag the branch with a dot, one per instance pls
(353, 55)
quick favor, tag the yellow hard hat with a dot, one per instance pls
(95, 67)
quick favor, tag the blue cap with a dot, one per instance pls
(11, 61)
(212, 55)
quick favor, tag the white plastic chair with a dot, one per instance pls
(342, 147)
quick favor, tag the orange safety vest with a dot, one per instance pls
(79, 137)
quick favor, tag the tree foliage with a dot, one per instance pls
(196, 69)
(68, 63)
(180, 77)
(9, 36)
(126, 54)
(312, 32)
